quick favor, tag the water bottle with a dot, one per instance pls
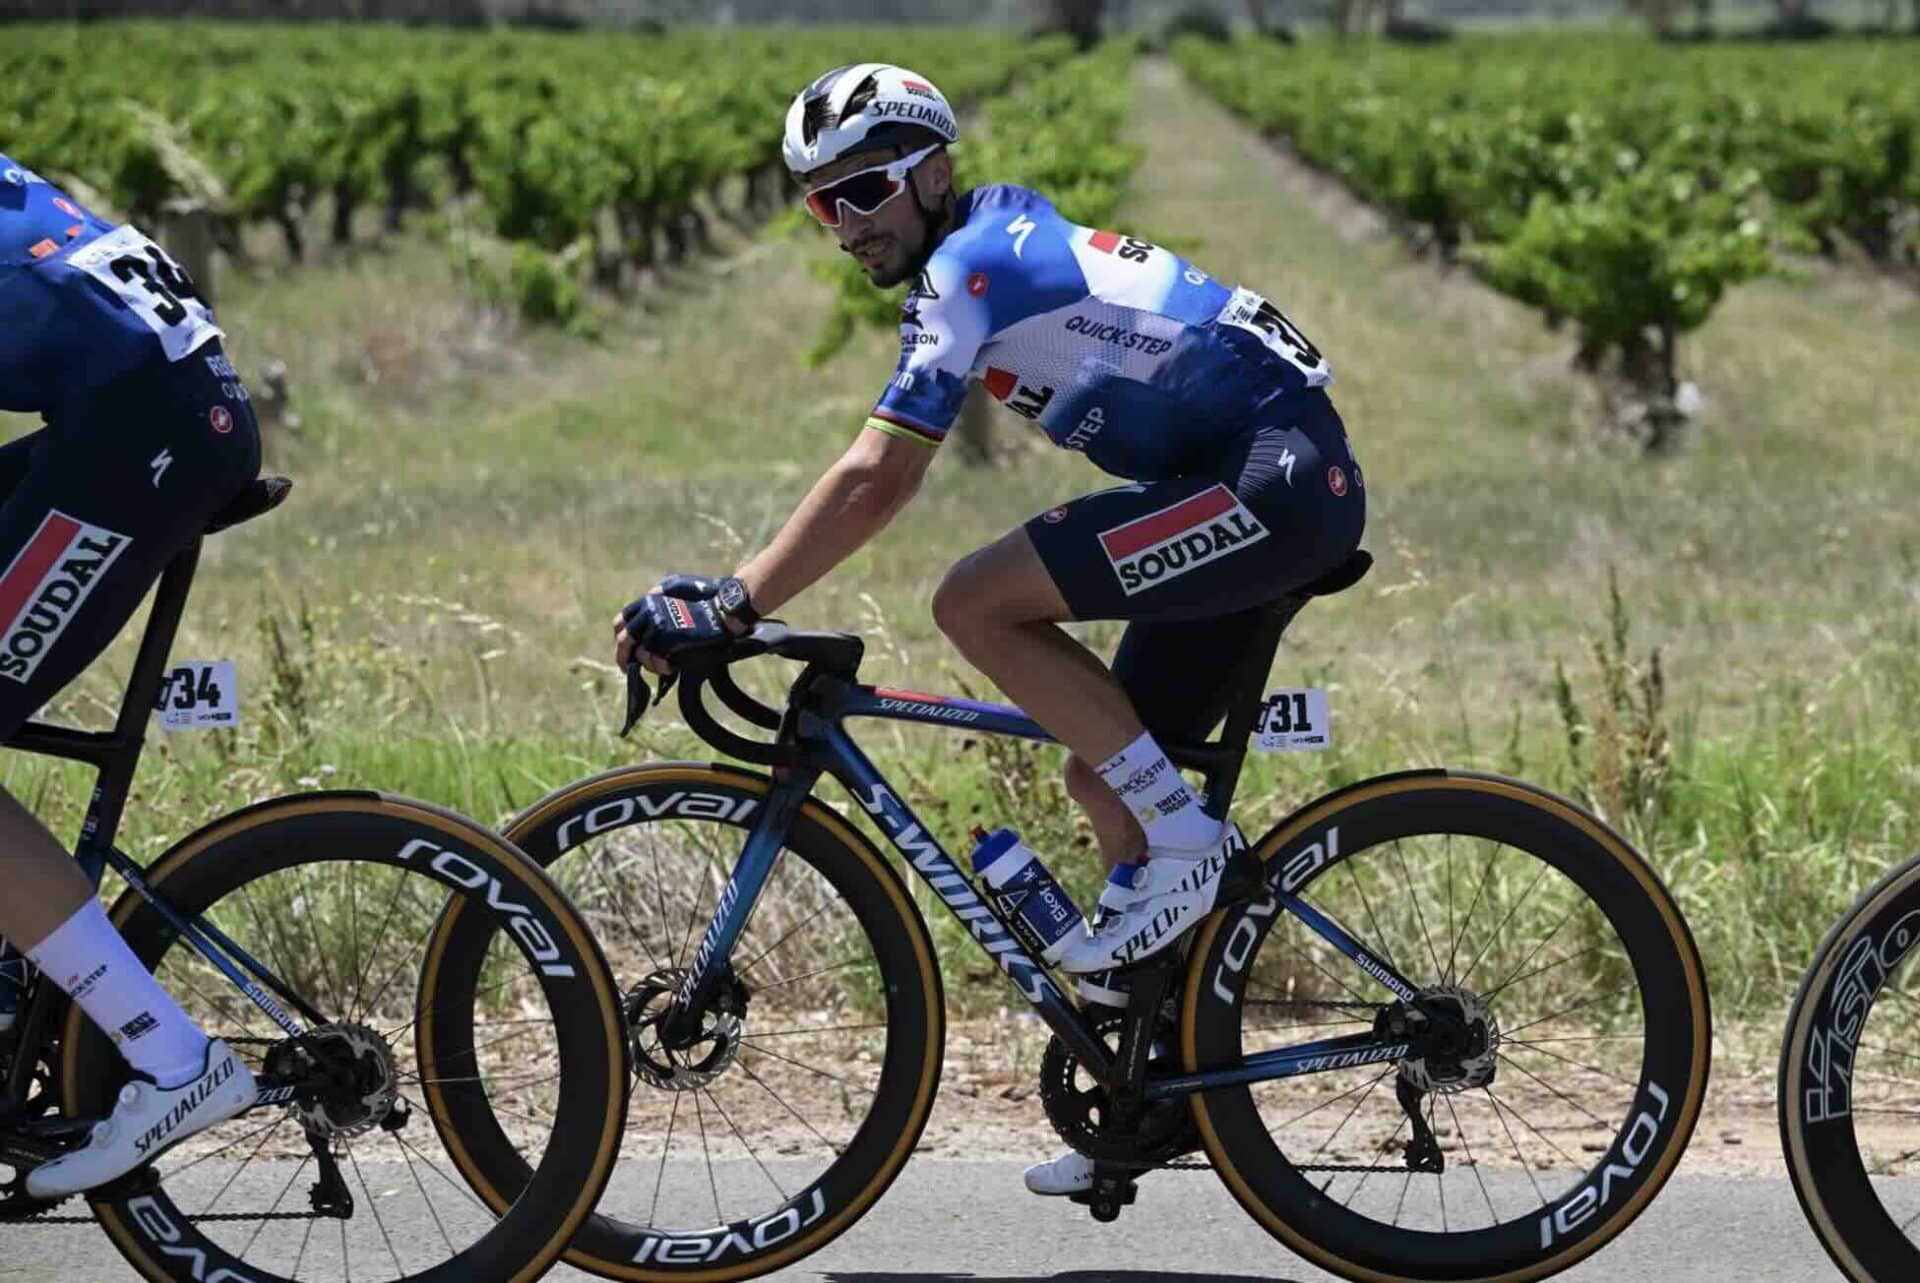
(1036, 907)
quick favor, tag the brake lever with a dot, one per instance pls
(639, 695)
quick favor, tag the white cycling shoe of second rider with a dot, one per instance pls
(1170, 892)
(1071, 1173)
(146, 1121)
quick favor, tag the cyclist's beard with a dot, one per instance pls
(900, 263)
(903, 262)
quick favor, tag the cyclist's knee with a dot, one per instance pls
(962, 601)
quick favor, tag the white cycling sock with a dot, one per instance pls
(86, 957)
(1152, 789)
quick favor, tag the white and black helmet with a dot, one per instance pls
(861, 106)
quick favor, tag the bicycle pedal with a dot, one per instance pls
(1108, 1197)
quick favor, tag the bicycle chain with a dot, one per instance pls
(1317, 1004)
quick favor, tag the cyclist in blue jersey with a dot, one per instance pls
(148, 433)
(1203, 397)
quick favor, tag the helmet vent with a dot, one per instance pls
(861, 97)
(813, 118)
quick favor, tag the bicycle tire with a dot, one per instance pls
(726, 1248)
(218, 863)
(1379, 815)
(1820, 1069)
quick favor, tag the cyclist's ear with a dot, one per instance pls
(933, 177)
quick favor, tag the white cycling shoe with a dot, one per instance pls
(146, 1121)
(1109, 988)
(1170, 892)
(1071, 1173)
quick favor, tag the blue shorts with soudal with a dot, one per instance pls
(148, 431)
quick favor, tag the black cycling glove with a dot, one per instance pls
(689, 587)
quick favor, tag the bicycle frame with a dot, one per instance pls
(825, 746)
(115, 755)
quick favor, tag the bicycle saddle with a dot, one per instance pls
(1340, 578)
(259, 497)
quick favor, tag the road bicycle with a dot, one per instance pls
(296, 929)
(1455, 1028)
(1850, 1085)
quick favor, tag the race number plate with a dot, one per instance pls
(152, 286)
(199, 693)
(1294, 720)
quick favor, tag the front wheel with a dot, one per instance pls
(815, 1071)
(1849, 1077)
(1524, 1129)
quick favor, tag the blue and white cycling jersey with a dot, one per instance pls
(82, 301)
(1113, 346)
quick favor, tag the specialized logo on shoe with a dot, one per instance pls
(1171, 920)
(1166, 544)
(46, 585)
(200, 1093)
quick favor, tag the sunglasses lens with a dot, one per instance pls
(864, 193)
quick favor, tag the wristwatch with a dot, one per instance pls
(734, 603)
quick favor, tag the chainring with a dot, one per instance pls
(1079, 1108)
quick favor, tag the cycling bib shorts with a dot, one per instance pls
(1190, 560)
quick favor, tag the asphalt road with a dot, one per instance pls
(949, 1221)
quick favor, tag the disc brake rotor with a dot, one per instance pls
(1459, 1048)
(350, 1078)
(707, 1055)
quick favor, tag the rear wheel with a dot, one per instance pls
(1578, 1027)
(775, 1132)
(1850, 1085)
(337, 896)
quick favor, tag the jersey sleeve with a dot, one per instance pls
(943, 324)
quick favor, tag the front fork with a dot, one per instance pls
(681, 1026)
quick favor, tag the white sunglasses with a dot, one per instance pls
(864, 191)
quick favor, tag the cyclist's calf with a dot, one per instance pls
(1120, 837)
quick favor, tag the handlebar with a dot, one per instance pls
(697, 669)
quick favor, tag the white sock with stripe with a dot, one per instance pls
(1147, 782)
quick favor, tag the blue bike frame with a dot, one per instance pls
(827, 747)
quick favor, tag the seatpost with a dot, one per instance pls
(129, 728)
(1243, 706)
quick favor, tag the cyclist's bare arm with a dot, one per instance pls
(852, 502)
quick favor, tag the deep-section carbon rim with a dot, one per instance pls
(337, 894)
(1552, 934)
(785, 1130)
(1850, 1085)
